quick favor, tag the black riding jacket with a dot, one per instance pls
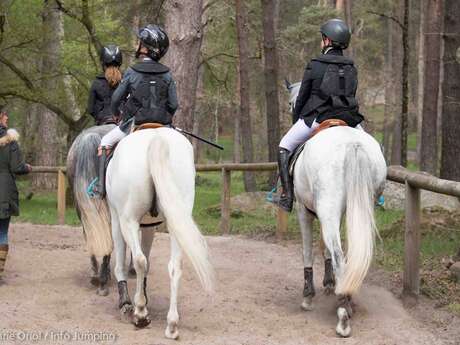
(156, 102)
(310, 105)
(99, 100)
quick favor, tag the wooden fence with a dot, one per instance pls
(414, 182)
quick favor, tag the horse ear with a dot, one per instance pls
(287, 83)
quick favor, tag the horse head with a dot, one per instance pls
(293, 89)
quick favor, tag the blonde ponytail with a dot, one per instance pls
(113, 76)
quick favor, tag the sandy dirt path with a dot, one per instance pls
(47, 298)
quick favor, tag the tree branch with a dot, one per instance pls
(35, 99)
(18, 72)
(85, 20)
(383, 15)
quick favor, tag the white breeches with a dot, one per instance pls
(297, 135)
(113, 137)
(300, 133)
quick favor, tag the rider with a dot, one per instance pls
(148, 90)
(104, 85)
(327, 91)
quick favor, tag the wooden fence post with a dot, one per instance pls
(61, 197)
(411, 279)
(282, 224)
(225, 202)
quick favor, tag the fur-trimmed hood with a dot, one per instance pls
(10, 136)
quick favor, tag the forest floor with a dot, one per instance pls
(46, 296)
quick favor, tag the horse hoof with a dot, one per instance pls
(307, 304)
(172, 331)
(126, 312)
(329, 290)
(95, 281)
(141, 322)
(102, 291)
(343, 328)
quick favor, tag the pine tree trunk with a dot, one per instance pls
(450, 162)
(432, 31)
(47, 138)
(184, 27)
(397, 53)
(389, 92)
(243, 69)
(421, 78)
(405, 85)
(271, 81)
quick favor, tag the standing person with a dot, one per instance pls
(328, 91)
(11, 163)
(151, 90)
(100, 94)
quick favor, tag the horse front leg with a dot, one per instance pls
(94, 271)
(328, 279)
(130, 230)
(124, 302)
(104, 276)
(175, 272)
(306, 223)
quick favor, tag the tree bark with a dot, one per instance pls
(450, 162)
(389, 91)
(432, 42)
(47, 139)
(405, 85)
(184, 27)
(243, 86)
(397, 53)
(271, 81)
(421, 77)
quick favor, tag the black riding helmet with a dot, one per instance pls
(155, 39)
(111, 55)
(338, 32)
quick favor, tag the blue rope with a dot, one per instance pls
(381, 201)
(90, 189)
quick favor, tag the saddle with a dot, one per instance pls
(148, 125)
(323, 125)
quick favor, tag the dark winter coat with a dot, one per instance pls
(309, 104)
(157, 103)
(11, 163)
(99, 100)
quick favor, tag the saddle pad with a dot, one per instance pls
(294, 156)
(149, 125)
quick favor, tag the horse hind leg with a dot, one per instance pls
(306, 222)
(175, 272)
(330, 228)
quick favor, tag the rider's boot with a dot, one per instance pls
(287, 196)
(99, 188)
(3, 255)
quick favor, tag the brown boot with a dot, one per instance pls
(3, 255)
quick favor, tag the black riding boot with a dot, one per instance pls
(99, 188)
(287, 197)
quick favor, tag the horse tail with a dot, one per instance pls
(93, 213)
(178, 214)
(361, 229)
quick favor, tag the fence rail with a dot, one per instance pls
(414, 182)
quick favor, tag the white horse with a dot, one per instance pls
(340, 171)
(154, 169)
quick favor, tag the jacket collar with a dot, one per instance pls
(150, 66)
